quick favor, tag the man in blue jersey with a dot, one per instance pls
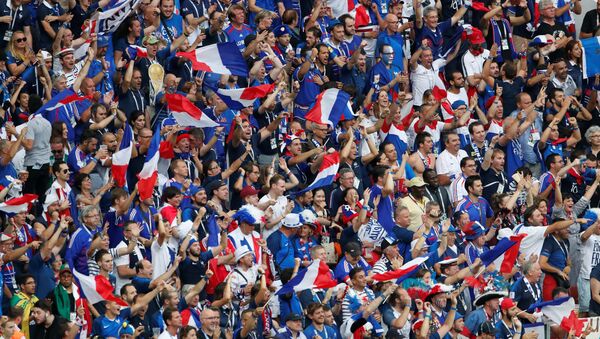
(392, 36)
(312, 74)
(238, 30)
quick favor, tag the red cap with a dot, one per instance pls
(476, 37)
(182, 136)
(490, 102)
(507, 303)
(248, 191)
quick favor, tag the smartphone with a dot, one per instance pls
(104, 147)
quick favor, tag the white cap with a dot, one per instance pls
(241, 252)
(308, 217)
(292, 220)
(46, 55)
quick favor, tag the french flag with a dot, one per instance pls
(63, 107)
(396, 136)
(134, 51)
(240, 98)
(62, 99)
(440, 96)
(339, 7)
(316, 275)
(19, 204)
(213, 231)
(97, 288)
(555, 310)
(327, 172)
(121, 158)
(504, 255)
(573, 323)
(186, 113)
(590, 57)
(406, 271)
(223, 58)
(149, 173)
(332, 106)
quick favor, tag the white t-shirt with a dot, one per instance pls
(167, 335)
(240, 279)
(278, 211)
(449, 164)
(123, 261)
(161, 258)
(590, 255)
(474, 64)
(424, 79)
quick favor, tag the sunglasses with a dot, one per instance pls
(21, 39)
(56, 151)
(65, 171)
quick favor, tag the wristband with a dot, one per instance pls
(453, 308)
(428, 316)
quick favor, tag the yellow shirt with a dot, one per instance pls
(416, 209)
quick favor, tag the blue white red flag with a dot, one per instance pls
(121, 158)
(149, 173)
(332, 106)
(19, 204)
(403, 273)
(186, 113)
(97, 288)
(63, 107)
(590, 57)
(398, 138)
(244, 97)
(316, 275)
(213, 231)
(504, 255)
(327, 172)
(555, 310)
(223, 58)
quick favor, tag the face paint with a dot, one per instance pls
(387, 55)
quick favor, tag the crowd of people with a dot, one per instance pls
(474, 122)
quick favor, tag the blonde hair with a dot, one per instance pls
(11, 47)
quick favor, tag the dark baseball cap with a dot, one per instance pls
(353, 248)
(487, 328)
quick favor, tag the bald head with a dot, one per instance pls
(391, 21)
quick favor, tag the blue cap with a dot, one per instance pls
(126, 329)
(103, 41)
(192, 241)
(458, 103)
(280, 30)
(195, 189)
(333, 23)
(589, 176)
(592, 217)
(169, 121)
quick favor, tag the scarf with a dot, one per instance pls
(497, 37)
(578, 177)
(26, 303)
(63, 302)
